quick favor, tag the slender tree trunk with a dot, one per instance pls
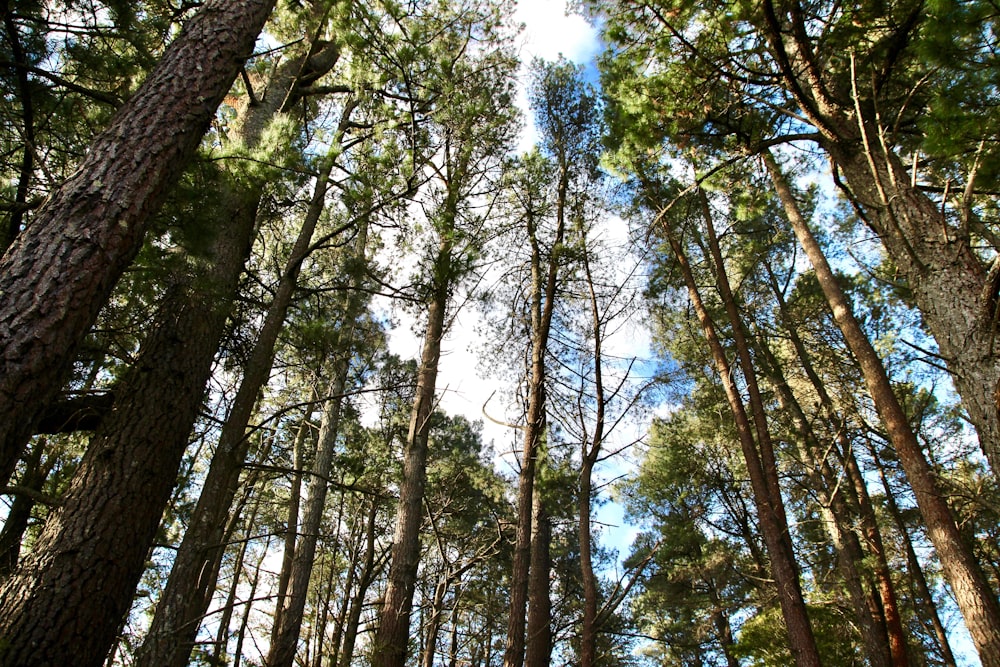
(285, 637)
(392, 638)
(221, 648)
(436, 613)
(187, 594)
(588, 459)
(783, 566)
(19, 513)
(538, 640)
(365, 579)
(800, 635)
(59, 271)
(898, 647)
(542, 296)
(975, 599)
(838, 515)
(291, 522)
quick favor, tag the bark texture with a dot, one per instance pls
(946, 277)
(65, 603)
(59, 271)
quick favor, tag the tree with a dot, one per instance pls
(58, 274)
(472, 129)
(859, 82)
(973, 593)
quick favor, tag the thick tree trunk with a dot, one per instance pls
(59, 271)
(783, 566)
(64, 604)
(187, 594)
(947, 279)
(976, 600)
(392, 638)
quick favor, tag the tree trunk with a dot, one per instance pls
(868, 522)
(542, 296)
(19, 513)
(946, 277)
(800, 636)
(923, 591)
(392, 638)
(538, 640)
(64, 604)
(364, 581)
(975, 599)
(188, 591)
(838, 515)
(783, 566)
(291, 522)
(59, 271)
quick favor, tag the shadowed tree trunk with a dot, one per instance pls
(59, 272)
(64, 604)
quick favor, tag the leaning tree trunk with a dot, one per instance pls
(64, 604)
(947, 279)
(187, 594)
(869, 527)
(775, 533)
(284, 639)
(973, 594)
(60, 271)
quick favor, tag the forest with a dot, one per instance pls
(743, 287)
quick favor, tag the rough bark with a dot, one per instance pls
(64, 604)
(946, 277)
(973, 594)
(59, 271)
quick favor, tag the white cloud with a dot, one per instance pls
(548, 33)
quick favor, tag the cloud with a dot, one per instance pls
(549, 32)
